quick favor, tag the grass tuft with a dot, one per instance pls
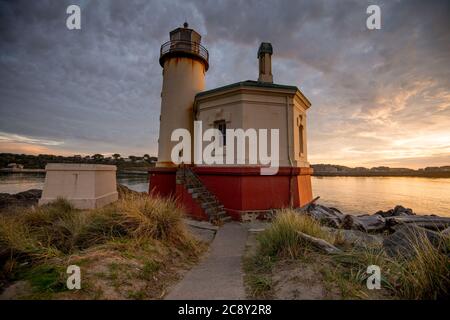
(281, 238)
(424, 273)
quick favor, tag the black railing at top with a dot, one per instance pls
(184, 46)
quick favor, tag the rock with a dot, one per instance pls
(124, 191)
(373, 223)
(402, 241)
(350, 222)
(358, 238)
(347, 222)
(397, 211)
(401, 211)
(328, 216)
(25, 198)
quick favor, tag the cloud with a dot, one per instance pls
(98, 89)
(6, 137)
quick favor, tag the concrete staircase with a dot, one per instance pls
(200, 194)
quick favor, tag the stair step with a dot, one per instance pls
(210, 211)
(212, 204)
(203, 196)
(207, 200)
(196, 190)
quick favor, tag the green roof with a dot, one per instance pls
(247, 83)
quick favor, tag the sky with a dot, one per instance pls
(379, 97)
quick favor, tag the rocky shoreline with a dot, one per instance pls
(392, 229)
(31, 197)
(21, 199)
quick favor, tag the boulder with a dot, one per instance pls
(124, 191)
(358, 238)
(402, 241)
(328, 216)
(25, 198)
(373, 223)
(397, 211)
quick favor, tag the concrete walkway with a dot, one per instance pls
(219, 274)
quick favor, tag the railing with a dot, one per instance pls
(184, 46)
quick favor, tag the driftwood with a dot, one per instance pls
(319, 244)
(428, 222)
(374, 223)
(306, 206)
(328, 216)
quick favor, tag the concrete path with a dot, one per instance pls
(219, 274)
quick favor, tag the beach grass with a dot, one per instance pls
(423, 273)
(139, 230)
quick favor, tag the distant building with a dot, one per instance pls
(15, 166)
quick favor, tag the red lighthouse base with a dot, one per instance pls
(240, 189)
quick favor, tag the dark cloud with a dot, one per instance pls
(98, 89)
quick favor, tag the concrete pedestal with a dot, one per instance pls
(86, 186)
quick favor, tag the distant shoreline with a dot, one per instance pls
(384, 174)
(315, 174)
(8, 170)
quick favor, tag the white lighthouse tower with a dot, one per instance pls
(185, 62)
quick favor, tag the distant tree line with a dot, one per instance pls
(331, 169)
(40, 161)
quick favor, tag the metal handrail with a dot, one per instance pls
(184, 46)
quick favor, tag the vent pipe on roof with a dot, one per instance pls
(265, 62)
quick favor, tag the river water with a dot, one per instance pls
(353, 195)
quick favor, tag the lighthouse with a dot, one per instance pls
(237, 190)
(185, 62)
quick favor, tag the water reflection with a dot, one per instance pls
(18, 182)
(358, 195)
(353, 195)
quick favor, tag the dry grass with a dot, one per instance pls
(281, 238)
(279, 241)
(424, 273)
(51, 235)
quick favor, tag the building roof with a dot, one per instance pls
(247, 83)
(254, 84)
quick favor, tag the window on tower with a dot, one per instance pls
(300, 135)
